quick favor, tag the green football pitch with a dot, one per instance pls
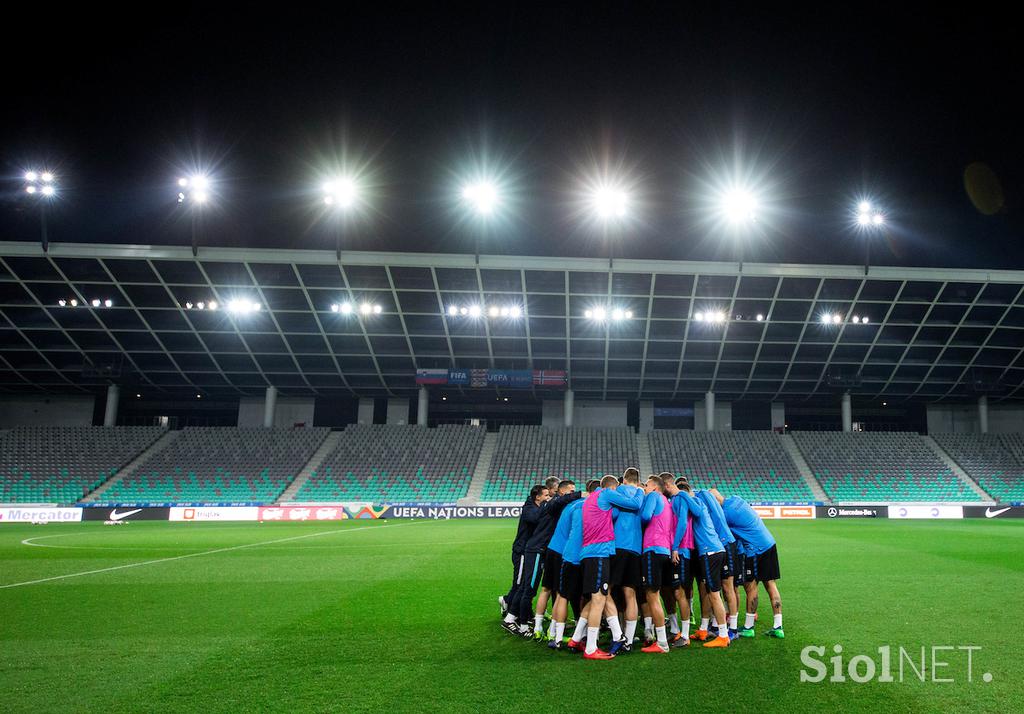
(402, 615)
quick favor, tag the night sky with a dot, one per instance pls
(816, 108)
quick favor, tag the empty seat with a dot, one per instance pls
(61, 464)
(392, 463)
(751, 464)
(875, 466)
(221, 464)
(527, 455)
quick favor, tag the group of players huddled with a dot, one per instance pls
(626, 547)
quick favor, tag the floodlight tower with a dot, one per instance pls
(482, 199)
(610, 205)
(42, 186)
(195, 192)
(870, 220)
(739, 207)
(340, 195)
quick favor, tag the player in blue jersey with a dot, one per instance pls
(731, 557)
(625, 563)
(712, 558)
(569, 588)
(761, 560)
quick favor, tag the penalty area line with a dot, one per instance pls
(196, 555)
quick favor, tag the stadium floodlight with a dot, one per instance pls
(760, 317)
(41, 185)
(74, 302)
(718, 317)
(738, 205)
(366, 308)
(837, 319)
(481, 196)
(377, 309)
(95, 303)
(195, 189)
(826, 319)
(515, 312)
(239, 306)
(600, 314)
(864, 320)
(341, 192)
(618, 313)
(698, 316)
(453, 310)
(495, 311)
(474, 311)
(62, 302)
(610, 202)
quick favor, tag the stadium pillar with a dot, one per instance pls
(847, 413)
(269, 407)
(567, 405)
(421, 407)
(113, 397)
(983, 414)
(709, 411)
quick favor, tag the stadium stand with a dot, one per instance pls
(990, 460)
(751, 464)
(896, 466)
(62, 464)
(220, 464)
(397, 463)
(526, 455)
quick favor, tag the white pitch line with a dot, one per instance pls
(194, 555)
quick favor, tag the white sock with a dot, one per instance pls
(648, 624)
(551, 628)
(662, 639)
(703, 623)
(581, 627)
(613, 625)
(592, 633)
(714, 621)
(630, 631)
(673, 623)
(538, 623)
(723, 631)
(749, 622)
(510, 618)
(684, 627)
(778, 620)
(733, 619)
(559, 631)
(525, 629)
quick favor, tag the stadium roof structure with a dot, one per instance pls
(930, 334)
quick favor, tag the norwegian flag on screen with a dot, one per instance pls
(549, 377)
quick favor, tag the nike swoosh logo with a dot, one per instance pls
(989, 513)
(115, 516)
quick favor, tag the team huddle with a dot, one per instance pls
(624, 548)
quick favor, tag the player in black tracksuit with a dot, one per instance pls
(534, 552)
(527, 522)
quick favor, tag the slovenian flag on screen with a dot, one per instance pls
(431, 376)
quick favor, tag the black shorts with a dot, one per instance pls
(597, 573)
(656, 570)
(684, 571)
(765, 566)
(732, 558)
(569, 581)
(740, 576)
(626, 569)
(712, 566)
(552, 567)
